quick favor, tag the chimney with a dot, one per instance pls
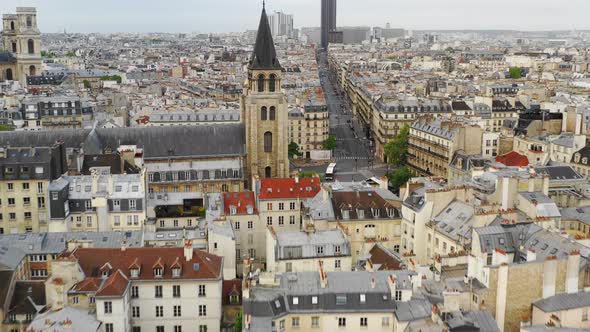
(248, 319)
(369, 266)
(246, 289)
(372, 282)
(297, 179)
(434, 314)
(531, 255)
(323, 277)
(531, 184)
(466, 280)
(124, 245)
(188, 250)
(546, 185)
(572, 273)
(505, 192)
(391, 283)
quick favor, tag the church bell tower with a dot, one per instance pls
(264, 109)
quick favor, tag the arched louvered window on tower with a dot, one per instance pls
(263, 113)
(260, 83)
(268, 141)
(273, 112)
(272, 83)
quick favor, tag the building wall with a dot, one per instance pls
(329, 322)
(574, 318)
(37, 207)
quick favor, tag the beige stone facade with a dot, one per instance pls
(22, 39)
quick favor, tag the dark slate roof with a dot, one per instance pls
(564, 301)
(559, 173)
(27, 295)
(157, 142)
(481, 321)
(264, 55)
(6, 58)
(584, 153)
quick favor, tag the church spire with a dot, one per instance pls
(264, 55)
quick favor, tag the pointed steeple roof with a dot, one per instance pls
(264, 55)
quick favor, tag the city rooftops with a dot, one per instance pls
(564, 301)
(289, 188)
(304, 244)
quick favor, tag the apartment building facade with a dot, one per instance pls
(25, 176)
(55, 112)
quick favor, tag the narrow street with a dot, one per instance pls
(353, 152)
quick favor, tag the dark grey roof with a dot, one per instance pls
(412, 310)
(481, 321)
(6, 58)
(264, 55)
(559, 173)
(157, 142)
(564, 301)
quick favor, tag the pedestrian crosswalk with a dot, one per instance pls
(350, 158)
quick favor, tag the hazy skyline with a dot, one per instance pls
(240, 15)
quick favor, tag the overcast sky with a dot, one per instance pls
(239, 15)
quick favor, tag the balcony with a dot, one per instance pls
(430, 152)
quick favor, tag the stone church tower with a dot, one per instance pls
(264, 110)
(21, 45)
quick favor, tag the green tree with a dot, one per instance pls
(399, 177)
(330, 143)
(87, 84)
(117, 78)
(515, 72)
(396, 150)
(5, 127)
(294, 150)
(70, 54)
(238, 322)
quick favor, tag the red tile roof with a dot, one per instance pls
(289, 188)
(115, 285)
(232, 287)
(240, 200)
(383, 257)
(513, 159)
(88, 285)
(202, 265)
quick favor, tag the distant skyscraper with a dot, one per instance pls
(328, 20)
(281, 24)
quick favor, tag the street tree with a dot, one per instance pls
(294, 150)
(330, 143)
(396, 150)
(399, 178)
(238, 322)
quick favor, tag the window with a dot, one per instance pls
(40, 187)
(268, 141)
(41, 202)
(292, 205)
(202, 328)
(159, 311)
(136, 329)
(134, 292)
(28, 215)
(272, 114)
(177, 328)
(237, 225)
(108, 307)
(315, 322)
(320, 250)
(250, 224)
(337, 264)
(135, 312)
(108, 327)
(88, 204)
(159, 328)
(158, 291)
(364, 322)
(281, 220)
(177, 311)
(281, 206)
(295, 300)
(341, 321)
(31, 47)
(260, 83)
(158, 273)
(26, 186)
(272, 82)
(337, 249)
(398, 295)
(176, 290)
(295, 322)
(314, 300)
(132, 204)
(202, 310)
(385, 321)
(269, 220)
(202, 290)
(11, 201)
(340, 299)
(291, 220)
(263, 113)
(363, 298)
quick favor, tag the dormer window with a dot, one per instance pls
(233, 209)
(360, 213)
(105, 274)
(375, 213)
(585, 161)
(577, 157)
(134, 273)
(345, 214)
(176, 272)
(158, 272)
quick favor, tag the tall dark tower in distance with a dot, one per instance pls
(328, 20)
